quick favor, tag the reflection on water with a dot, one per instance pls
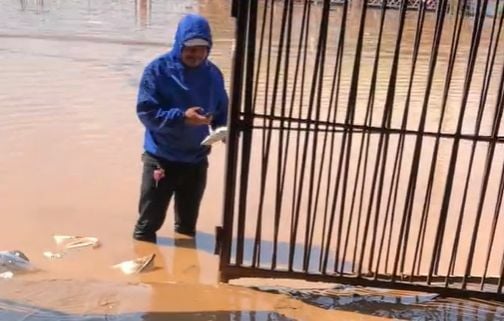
(182, 264)
(395, 304)
(129, 19)
(16, 311)
(37, 4)
(143, 12)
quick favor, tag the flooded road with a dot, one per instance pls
(70, 147)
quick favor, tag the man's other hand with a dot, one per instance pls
(193, 116)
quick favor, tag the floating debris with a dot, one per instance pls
(71, 242)
(53, 255)
(142, 264)
(6, 275)
(14, 262)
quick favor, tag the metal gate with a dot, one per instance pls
(365, 146)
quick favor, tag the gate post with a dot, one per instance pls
(225, 235)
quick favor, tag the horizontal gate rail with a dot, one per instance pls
(339, 127)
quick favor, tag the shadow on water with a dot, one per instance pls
(13, 311)
(206, 242)
(395, 305)
(368, 301)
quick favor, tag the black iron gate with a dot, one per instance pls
(365, 146)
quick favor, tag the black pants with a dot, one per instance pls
(186, 182)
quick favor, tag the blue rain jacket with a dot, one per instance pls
(168, 88)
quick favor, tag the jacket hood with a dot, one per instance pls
(190, 27)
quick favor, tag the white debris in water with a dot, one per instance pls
(53, 255)
(142, 264)
(71, 242)
(6, 275)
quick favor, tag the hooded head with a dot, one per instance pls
(193, 40)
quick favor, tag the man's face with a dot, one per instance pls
(193, 56)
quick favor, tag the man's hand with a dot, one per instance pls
(194, 117)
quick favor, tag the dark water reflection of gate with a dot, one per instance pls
(396, 305)
(12, 310)
(366, 146)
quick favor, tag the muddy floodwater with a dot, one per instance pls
(70, 147)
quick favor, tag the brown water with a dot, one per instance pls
(70, 148)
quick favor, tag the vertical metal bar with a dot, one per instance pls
(362, 192)
(451, 266)
(295, 200)
(493, 229)
(235, 5)
(281, 165)
(268, 73)
(483, 101)
(256, 248)
(352, 99)
(241, 218)
(317, 69)
(455, 147)
(333, 101)
(444, 209)
(247, 130)
(348, 116)
(486, 83)
(368, 120)
(260, 54)
(305, 147)
(324, 26)
(457, 28)
(384, 141)
(232, 144)
(396, 173)
(265, 160)
(410, 194)
(488, 168)
(501, 279)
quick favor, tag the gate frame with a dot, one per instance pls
(244, 12)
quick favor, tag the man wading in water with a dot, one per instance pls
(181, 94)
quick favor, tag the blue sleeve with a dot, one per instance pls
(151, 113)
(221, 115)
